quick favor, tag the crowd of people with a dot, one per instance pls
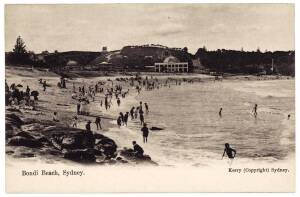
(16, 96)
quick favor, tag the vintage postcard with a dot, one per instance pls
(149, 98)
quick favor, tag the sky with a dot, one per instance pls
(89, 27)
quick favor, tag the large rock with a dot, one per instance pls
(14, 120)
(79, 140)
(106, 145)
(129, 155)
(23, 141)
(80, 155)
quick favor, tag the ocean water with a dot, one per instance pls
(195, 135)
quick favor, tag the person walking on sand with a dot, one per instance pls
(44, 85)
(136, 112)
(122, 117)
(142, 117)
(78, 107)
(230, 152)
(254, 111)
(126, 118)
(132, 113)
(106, 103)
(119, 121)
(145, 131)
(118, 101)
(98, 122)
(88, 126)
(220, 112)
(147, 108)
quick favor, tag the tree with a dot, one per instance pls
(20, 47)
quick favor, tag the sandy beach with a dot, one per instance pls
(59, 100)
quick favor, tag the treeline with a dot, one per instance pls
(137, 58)
(254, 62)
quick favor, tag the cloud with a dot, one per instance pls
(169, 29)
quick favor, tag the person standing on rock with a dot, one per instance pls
(145, 131)
(98, 122)
(137, 150)
(27, 91)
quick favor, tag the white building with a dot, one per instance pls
(171, 64)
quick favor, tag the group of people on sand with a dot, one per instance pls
(15, 96)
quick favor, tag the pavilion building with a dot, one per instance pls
(171, 64)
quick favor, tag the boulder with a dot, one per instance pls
(107, 146)
(13, 120)
(33, 127)
(23, 141)
(79, 140)
(129, 155)
(80, 155)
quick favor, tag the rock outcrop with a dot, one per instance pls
(47, 138)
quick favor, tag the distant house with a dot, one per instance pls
(71, 65)
(171, 64)
(103, 66)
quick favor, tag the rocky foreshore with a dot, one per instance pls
(27, 137)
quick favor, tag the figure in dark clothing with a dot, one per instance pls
(119, 121)
(147, 108)
(137, 150)
(122, 117)
(126, 118)
(229, 151)
(78, 108)
(255, 110)
(44, 85)
(220, 112)
(106, 103)
(141, 116)
(118, 101)
(98, 122)
(88, 126)
(145, 131)
(27, 91)
(132, 113)
(289, 116)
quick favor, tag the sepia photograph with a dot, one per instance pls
(121, 97)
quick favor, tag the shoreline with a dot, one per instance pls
(108, 117)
